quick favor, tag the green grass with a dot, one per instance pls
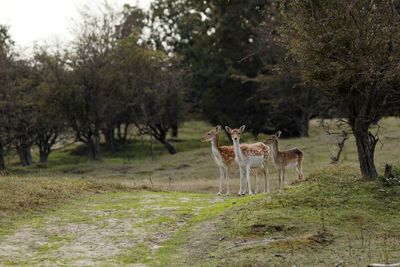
(193, 169)
(333, 217)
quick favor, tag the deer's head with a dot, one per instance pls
(273, 138)
(210, 135)
(235, 133)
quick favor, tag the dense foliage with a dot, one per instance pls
(351, 51)
(90, 92)
(232, 52)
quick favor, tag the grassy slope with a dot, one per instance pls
(332, 218)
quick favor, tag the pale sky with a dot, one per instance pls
(41, 21)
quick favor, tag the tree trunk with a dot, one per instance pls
(25, 155)
(45, 142)
(366, 143)
(122, 134)
(94, 148)
(119, 125)
(304, 126)
(43, 157)
(109, 136)
(175, 130)
(119, 132)
(171, 149)
(2, 161)
(160, 134)
(125, 136)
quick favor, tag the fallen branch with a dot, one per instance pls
(268, 240)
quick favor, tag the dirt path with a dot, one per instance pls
(105, 230)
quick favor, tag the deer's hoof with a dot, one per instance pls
(219, 193)
(228, 194)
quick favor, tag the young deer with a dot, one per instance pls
(288, 159)
(223, 157)
(249, 156)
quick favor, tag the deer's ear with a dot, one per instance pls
(278, 134)
(241, 129)
(228, 129)
(218, 128)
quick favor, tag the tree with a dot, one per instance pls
(18, 110)
(49, 74)
(6, 57)
(161, 104)
(288, 104)
(88, 101)
(153, 90)
(349, 50)
(232, 52)
(213, 37)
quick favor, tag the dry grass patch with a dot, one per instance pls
(23, 195)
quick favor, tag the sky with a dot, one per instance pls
(49, 21)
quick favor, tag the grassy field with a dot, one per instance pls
(192, 169)
(331, 218)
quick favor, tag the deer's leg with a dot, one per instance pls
(248, 179)
(297, 169)
(280, 179)
(241, 180)
(227, 180)
(283, 179)
(300, 166)
(266, 186)
(256, 176)
(221, 177)
(245, 188)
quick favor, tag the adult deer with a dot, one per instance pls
(223, 157)
(288, 159)
(249, 156)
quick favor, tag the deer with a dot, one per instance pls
(223, 157)
(288, 159)
(249, 156)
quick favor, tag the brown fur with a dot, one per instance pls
(228, 152)
(290, 155)
(244, 157)
(282, 159)
(257, 149)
